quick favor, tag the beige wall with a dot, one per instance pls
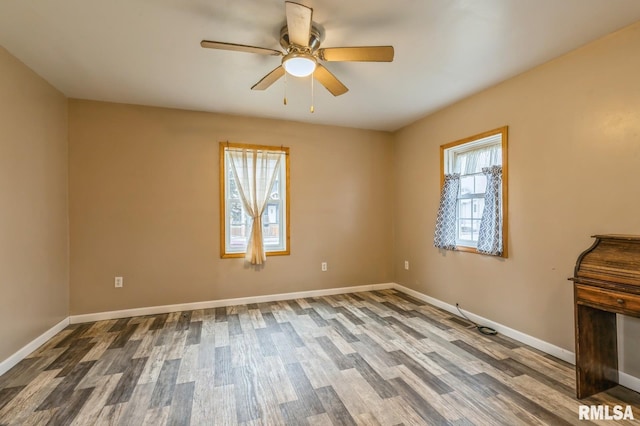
(144, 200)
(574, 168)
(33, 206)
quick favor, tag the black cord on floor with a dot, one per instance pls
(481, 328)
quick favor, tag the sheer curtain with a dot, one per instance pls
(474, 161)
(445, 235)
(254, 172)
(490, 234)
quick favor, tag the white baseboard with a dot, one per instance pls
(21, 354)
(152, 310)
(629, 381)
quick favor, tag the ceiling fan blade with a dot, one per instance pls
(239, 48)
(298, 23)
(366, 54)
(269, 79)
(329, 81)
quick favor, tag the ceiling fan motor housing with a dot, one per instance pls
(314, 40)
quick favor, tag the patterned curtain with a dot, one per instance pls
(445, 235)
(490, 235)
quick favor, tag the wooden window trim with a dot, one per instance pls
(505, 182)
(223, 230)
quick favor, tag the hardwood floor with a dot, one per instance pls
(363, 358)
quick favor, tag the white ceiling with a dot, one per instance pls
(148, 51)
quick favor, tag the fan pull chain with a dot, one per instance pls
(285, 88)
(312, 110)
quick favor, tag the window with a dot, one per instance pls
(473, 214)
(254, 175)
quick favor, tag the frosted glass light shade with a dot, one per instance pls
(299, 65)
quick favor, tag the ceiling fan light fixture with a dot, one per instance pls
(299, 64)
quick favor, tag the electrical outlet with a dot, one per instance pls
(118, 282)
(323, 266)
(406, 265)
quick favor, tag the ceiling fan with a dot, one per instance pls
(302, 55)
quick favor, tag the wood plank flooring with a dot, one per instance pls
(374, 358)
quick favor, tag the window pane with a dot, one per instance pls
(271, 225)
(478, 207)
(481, 184)
(275, 190)
(466, 185)
(236, 213)
(465, 209)
(233, 187)
(238, 231)
(475, 229)
(464, 229)
(238, 237)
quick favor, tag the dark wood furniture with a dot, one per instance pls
(606, 282)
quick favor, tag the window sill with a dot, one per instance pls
(468, 249)
(241, 255)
